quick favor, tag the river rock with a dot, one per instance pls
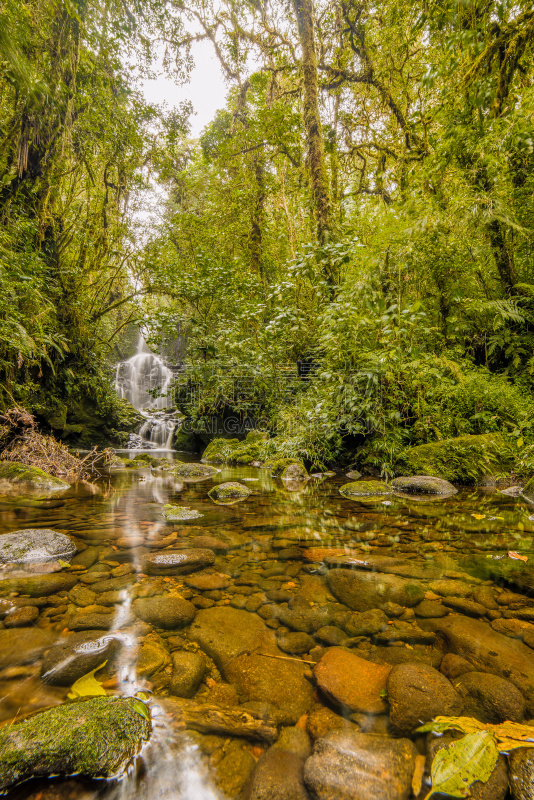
(307, 620)
(366, 623)
(489, 651)
(207, 581)
(495, 788)
(20, 479)
(521, 773)
(351, 681)
(451, 588)
(38, 585)
(231, 490)
(279, 776)
(164, 611)
(234, 770)
(322, 720)
(430, 608)
(97, 737)
(330, 635)
(23, 646)
(423, 484)
(364, 489)
(177, 562)
(224, 633)
(348, 765)
(490, 698)
(295, 643)
(418, 693)
(283, 682)
(35, 545)
(452, 666)
(21, 617)
(152, 657)
(365, 590)
(193, 470)
(76, 656)
(187, 673)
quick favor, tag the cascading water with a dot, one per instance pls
(144, 380)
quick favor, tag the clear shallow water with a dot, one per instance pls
(277, 540)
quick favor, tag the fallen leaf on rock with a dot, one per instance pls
(478, 516)
(419, 771)
(517, 556)
(459, 765)
(87, 685)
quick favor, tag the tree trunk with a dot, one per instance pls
(312, 120)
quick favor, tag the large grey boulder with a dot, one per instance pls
(423, 484)
(35, 545)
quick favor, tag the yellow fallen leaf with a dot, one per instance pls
(87, 685)
(478, 516)
(517, 556)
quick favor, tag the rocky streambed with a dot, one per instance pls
(284, 642)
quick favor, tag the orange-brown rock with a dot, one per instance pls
(352, 681)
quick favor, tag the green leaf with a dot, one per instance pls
(141, 708)
(456, 767)
(87, 685)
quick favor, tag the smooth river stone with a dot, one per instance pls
(38, 585)
(76, 656)
(33, 545)
(164, 611)
(352, 681)
(23, 646)
(208, 581)
(362, 590)
(177, 562)
(348, 765)
(423, 484)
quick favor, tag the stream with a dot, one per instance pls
(293, 575)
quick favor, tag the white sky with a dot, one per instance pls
(206, 88)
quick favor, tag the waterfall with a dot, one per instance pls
(145, 380)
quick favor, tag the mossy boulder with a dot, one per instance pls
(236, 451)
(364, 489)
(220, 451)
(423, 484)
(231, 490)
(279, 465)
(464, 459)
(180, 513)
(97, 738)
(193, 471)
(295, 472)
(20, 479)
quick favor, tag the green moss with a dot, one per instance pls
(193, 470)
(38, 585)
(179, 513)
(294, 472)
(423, 484)
(278, 465)
(464, 459)
(254, 437)
(97, 737)
(31, 480)
(234, 451)
(364, 489)
(219, 451)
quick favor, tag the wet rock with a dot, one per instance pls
(284, 683)
(295, 643)
(364, 489)
(521, 773)
(152, 657)
(278, 595)
(418, 693)
(358, 766)
(21, 617)
(294, 740)
(453, 666)
(364, 590)
(485, 596)
(92, 621)
(207, 581)
(20, 479)
(97, 737)
(490, 698)
(212, 543)
(495, 788)
(224, 633)
(113, 584)
(177, 562)
(307, 620)
(193, 470)
(515, 628)
(423, 484)
(402, 653)
(351, 681)
(35, 545)
(490, 651)
(451, 588)
(330, 635)
(404, 632)
(187, 673)
(76, 656)
(231, 490)
(366, 623)
(164, 611)
(353, 475)
(23, 646)
(82, 596)
(233, 770)
(38, 585)
(279, 776)
(464, 606)
(430, 608)
(322, 720)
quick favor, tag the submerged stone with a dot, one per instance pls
(38, 585)
(351, 681)
(97, 737)
(35, 545)
(23, 646)
(417, 693)
(164, 611)
(20, 479)
(423, 484)
(364, 489)
(76, 656)
(177, 562)
(361, 590)
(179, 513)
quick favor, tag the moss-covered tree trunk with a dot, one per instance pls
(312, 119)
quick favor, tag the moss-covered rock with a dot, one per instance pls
(236, 451)
(423, 484)
(179, 513)
(279, 465)
(528, 490)
(35, 545)
(193, 471)
(220, 451)
(38, 585)
(295, 472)
(364, 489)
(231, 490)
(464, 459)
(20, 479)
(97, 737)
